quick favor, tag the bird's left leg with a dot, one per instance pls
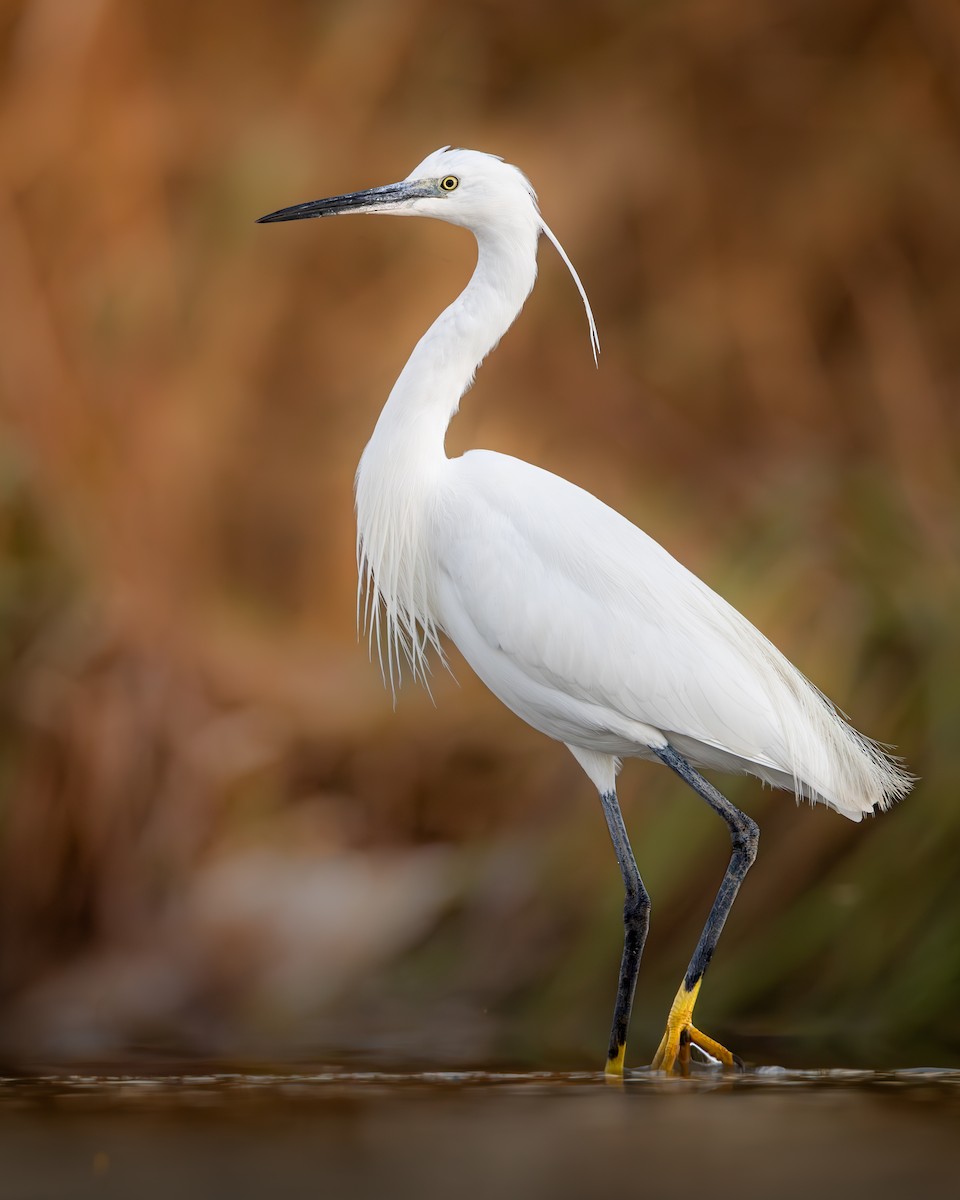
(636, 922)
(744, 835)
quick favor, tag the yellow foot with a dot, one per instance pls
(681, 1034)
(614, 1068)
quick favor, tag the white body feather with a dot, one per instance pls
(576, 619)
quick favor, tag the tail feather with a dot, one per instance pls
(828, 760)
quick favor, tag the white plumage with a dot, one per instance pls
(576, 619)
(591, 632)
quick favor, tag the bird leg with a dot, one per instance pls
(681, 1033)
(636, 921)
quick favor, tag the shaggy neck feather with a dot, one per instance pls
(397, 476)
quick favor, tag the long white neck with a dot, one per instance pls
(441, 368)
(397, 476)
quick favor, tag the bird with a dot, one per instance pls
(577, 620)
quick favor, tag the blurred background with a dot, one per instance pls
(218, 837)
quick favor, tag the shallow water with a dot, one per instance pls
(770, 1132)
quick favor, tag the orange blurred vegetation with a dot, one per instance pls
(218, 838)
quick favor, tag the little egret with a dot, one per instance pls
(577, 620)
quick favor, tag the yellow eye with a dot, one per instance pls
(449, 183)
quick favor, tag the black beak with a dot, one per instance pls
(373, 200)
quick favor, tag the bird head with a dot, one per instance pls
(464, 187)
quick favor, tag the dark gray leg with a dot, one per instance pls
(744, 836)
(636, 922)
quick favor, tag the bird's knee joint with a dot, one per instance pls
(746, 839)
(636, 908)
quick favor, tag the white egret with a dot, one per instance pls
(578, 621)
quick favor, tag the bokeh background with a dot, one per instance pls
(218, 836)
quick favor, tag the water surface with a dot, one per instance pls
(338, 1133)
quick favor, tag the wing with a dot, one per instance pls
(584, 625)
(593, 633)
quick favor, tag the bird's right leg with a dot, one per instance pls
(674, 1048)
(636, 921)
